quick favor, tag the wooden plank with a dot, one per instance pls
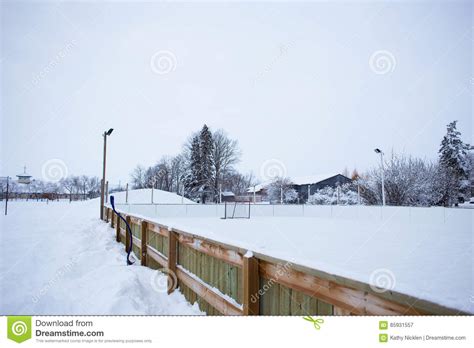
(144, 240)
(341, 311)
(136, 241)
(117, 226)
(356, 301)
(172, 261)
(251, 285)
(325, 308)
(135, 220)
(285, 301)
(157, 228)
(160, 259)
(214, 250)
(112, 218)
(206, 293)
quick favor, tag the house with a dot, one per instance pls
(310, 184)
(24, 178)
(303, 185)
(227, 196)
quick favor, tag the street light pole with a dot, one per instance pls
(102, 184)
(383, 175)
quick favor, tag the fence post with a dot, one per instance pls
(112, 219)
(127, 234)
(117, 236)
(251, 280)
(172, 260)
(144, 243)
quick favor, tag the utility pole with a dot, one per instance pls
(6, 198)
(220, 193)
(383, 174)
(102, 185)
(126, 193)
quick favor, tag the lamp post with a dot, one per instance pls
(383, 178)
(102, 184)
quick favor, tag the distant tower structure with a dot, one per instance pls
(24, 178)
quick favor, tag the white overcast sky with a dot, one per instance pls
(290, 81)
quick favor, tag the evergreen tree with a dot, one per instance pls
(206, 173)
(194, 178)
(454, 164)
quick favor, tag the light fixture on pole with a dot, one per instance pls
(383, 170)
(102, 184)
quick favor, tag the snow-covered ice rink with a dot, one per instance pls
(423, 252)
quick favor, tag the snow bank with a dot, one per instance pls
(59, 258)
(143, 196)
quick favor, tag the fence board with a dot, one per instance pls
(205, 292)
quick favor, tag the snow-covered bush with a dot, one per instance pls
(290, 196)
(408, 181)
(344, 195)
(282, 188)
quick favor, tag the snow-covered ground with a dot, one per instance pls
(59, 258)
(145, 196)
(422, 252)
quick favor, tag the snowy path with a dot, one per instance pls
(59, 258)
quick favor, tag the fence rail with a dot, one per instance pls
(225, 279)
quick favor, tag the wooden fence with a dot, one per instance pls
(228, 280)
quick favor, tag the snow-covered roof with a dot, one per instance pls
(298, 180)
(228, 194)
(311, 179)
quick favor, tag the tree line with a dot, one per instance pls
(418, 182)
(204, 168)
(79, 187)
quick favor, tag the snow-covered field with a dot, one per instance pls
(423, 252)
(59, 258)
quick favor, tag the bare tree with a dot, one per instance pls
(68, 185)
(225, 154)
(138, 177)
